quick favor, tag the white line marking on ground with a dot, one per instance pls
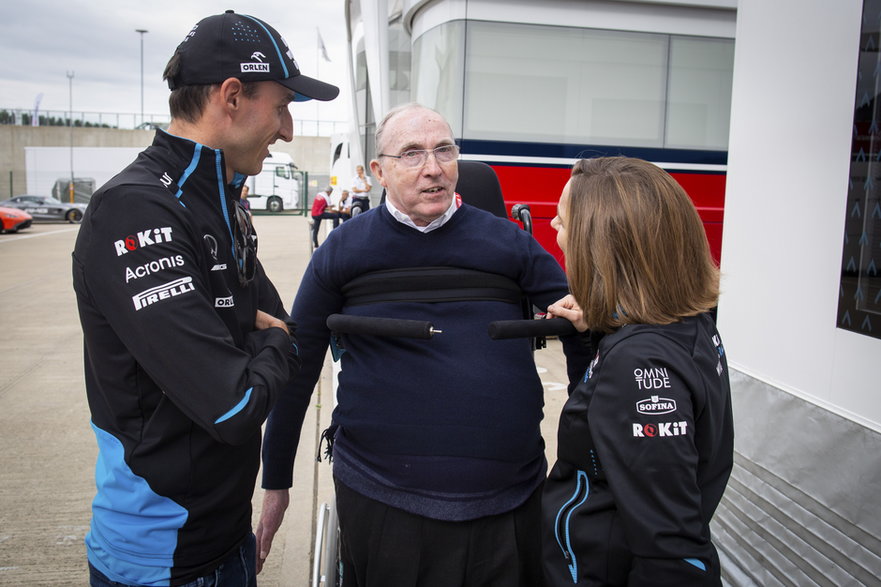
(9, 239)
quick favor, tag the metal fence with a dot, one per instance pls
(131, 120)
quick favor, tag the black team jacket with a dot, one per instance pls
(645, 448)
(178, 380)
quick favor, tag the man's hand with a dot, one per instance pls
(569, 309)
(275, 502)
(264, 321)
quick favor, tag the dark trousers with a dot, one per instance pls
(362, 201)
(316, 224)
(382, 546)
(239, 569)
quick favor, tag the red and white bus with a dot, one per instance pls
(529, 87)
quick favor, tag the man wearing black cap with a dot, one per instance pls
(186, 341)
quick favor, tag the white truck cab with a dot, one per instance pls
(277, 187)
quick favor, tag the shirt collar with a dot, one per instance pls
(434, 224)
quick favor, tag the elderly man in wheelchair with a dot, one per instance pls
(438, 459)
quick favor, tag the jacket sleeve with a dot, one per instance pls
(642, 423)
(270, 302)
(145, 271)
(313, 304)
(545, 283)
(268, 299)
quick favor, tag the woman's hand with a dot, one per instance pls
(569, 309)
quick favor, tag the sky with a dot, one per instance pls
(41, 41)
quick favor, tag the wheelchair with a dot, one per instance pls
(478, 186)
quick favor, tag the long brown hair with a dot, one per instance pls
(636, 251)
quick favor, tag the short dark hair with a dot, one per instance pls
(188, 102)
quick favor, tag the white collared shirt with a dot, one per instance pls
(434, 224)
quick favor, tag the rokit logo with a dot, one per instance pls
(163, 292)
(153, 267)
(660, 429)
(656, 405)
(145, 238)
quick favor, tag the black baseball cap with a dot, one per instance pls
(241, 46)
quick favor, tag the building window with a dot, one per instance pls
(436, 78)
(699, 93)
(538, 83)
(859, 306)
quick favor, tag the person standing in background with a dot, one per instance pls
(322, 208)
(361, 187)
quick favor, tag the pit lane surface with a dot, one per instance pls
(48, 448)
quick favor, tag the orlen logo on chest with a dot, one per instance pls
(145, 238)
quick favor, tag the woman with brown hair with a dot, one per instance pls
(645, 443)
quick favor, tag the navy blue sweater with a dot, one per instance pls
(448, 427)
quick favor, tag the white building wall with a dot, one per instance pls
(801, 507)
(791, 127)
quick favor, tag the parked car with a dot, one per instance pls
(43, 208)
(13, 219)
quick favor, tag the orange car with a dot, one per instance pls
(14, 219)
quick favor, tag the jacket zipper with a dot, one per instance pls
(561, 524)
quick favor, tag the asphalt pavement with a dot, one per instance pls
(48, 448)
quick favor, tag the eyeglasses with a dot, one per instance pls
(244, 246)
(418, 157)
